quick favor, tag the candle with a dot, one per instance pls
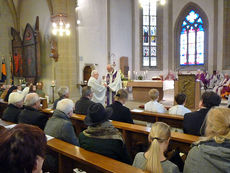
(52, 83)
(128, 75)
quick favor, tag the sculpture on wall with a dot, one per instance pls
(54, 49)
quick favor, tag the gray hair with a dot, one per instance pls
(62, 91)
(31, 99)
(65, 105)
(86, 91)
(94, 72)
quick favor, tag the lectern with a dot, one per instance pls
(188, 85)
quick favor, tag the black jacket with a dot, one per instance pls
(11, 113)
(60, 127)
(32, 116)
(56, 101)
(82, 105)
(193, 122)
(112, 148)
(120, 113)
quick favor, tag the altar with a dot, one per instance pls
(141, 88)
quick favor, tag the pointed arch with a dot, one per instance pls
(191, 38)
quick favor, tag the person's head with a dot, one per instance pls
(159, 137)
(121, 96)
(96, 115)
(22, 149)
(109, 68)
(87, 92)
(66, 106)
(214, 72)
(210, 99)
(154, 94)
(16, 99)
(218, 124)
(32, 100)
(39, 85)
(180, 99)
(11, 89)
(226, 76)
(95, 74)
(63, 92)
(19, 87)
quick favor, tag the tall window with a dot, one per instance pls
(149, 33)
(192, 40)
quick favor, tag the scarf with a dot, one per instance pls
(103, 131)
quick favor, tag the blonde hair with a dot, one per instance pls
(160, 132)
(217, 125)
(153, 94)
(121, 94)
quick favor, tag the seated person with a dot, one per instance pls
(63, 92)
(120, 112)
(179, 109)
(39, 91)
(15, 104)
(212, 152)
(22, 149)
(11, 89)
(31, 114)
(60, 125)
(101, 136)
(194, 121)
(154, 159)
(153, 105)
(82, 105)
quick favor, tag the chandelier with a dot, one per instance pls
(162, 2)
(60, 26)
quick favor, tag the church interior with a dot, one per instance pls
(115, 86)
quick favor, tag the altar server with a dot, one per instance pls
(97, 89)
(113, 80)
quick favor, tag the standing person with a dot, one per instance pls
(120, 112)
(212, 153)
(154, 160)
(113, 79)
(97, 89)
(63, 92)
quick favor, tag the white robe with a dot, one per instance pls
(98, 91)
(115, 85)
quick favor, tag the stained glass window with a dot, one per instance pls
(192, 40)
(149, 33)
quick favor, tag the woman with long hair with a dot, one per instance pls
(212, 152)
(154, 160)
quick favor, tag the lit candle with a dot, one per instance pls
(52, 83)
(128, 75)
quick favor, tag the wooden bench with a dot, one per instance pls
(136, 136)
(172, 120)
(71, 156)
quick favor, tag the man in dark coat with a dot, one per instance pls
(63, 93)
(15, 104)
(60, 125)
(82, 105)
(31, 114)
(194, 122)
(101, 136)
(120, 112)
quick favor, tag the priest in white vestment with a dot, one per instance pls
(98, 89)
(113, 80)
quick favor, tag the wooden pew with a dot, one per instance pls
(71, 156)
(172, 120)
(136, 136)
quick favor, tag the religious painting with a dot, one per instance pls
(16, 53)
(29, 53)
(187, 85)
